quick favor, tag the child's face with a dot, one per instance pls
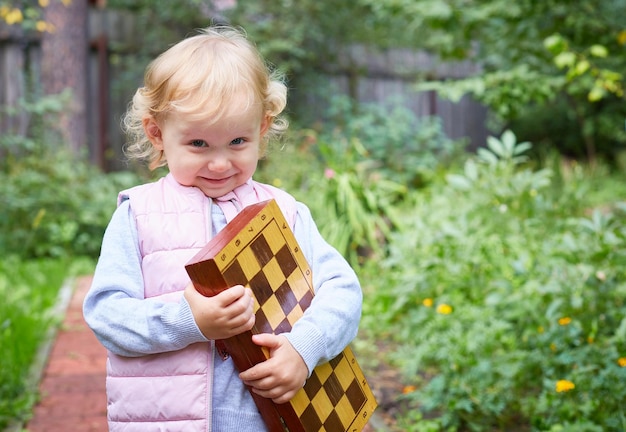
(215, 158)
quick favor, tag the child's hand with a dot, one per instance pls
(281, 376)
(227, 314)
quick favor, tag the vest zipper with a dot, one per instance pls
(209, 232)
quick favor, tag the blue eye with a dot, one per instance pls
(198, 143)
(237, 141)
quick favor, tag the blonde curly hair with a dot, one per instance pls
(199, 77)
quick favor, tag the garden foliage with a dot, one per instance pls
(29, 292)
(499, 281)
(53, 202)
(505, 292)
(559, 62)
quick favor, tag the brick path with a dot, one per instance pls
(72, 389)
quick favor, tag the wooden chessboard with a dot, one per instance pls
(257, 249)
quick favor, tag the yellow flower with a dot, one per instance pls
(540, 329)
(41, 26)
(277, 182)
(564, 386)
(621, 361)
(444, 309)
(565, 321)
(553, 346)
(408, 389)
(428, 302)
(14, 16)
(621, 37)
(44, 3)
(66, 2)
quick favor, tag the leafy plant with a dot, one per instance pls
(371, 157)
(54, 203)
(398, 144)
(29, 291)
(499, 289)
(353, 203)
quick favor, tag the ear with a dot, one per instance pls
(265, 124)
(153, 132)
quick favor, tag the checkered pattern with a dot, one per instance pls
(333, 397)
(281, 288)
(264, 255)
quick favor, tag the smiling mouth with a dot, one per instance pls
(216, 181)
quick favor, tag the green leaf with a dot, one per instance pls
(596, 93)
(471, 170)
(555, 43)
(487, 156)
(599, 51)
(496, 146)
(521, 148)
(458, 182)
(581, 67)
(565, 59)
(508, 141)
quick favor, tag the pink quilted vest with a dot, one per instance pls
(172, 391)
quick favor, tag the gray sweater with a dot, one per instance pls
(128, 325)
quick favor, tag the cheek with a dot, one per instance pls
(252, 160)
(184, 162)
(253, 166)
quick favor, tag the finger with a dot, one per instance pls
(278, 395)
(265, 385)
(250, 293)
(247, 325)
(191, 292)
(241, 311)
(284, 398)
(256, 373)
(243, 304)
(267, 340)
(230, 295)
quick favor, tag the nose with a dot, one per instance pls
(218, 163)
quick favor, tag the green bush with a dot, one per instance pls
(53, 202)
(498, 287)
(351, 203)
(396, 143)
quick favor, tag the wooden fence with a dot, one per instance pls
(108, 93)
(392, 75)
(383, 76)
(18, 55)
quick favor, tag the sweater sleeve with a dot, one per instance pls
(115, 309)
(332, 320)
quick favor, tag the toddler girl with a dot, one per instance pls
(207, 109)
